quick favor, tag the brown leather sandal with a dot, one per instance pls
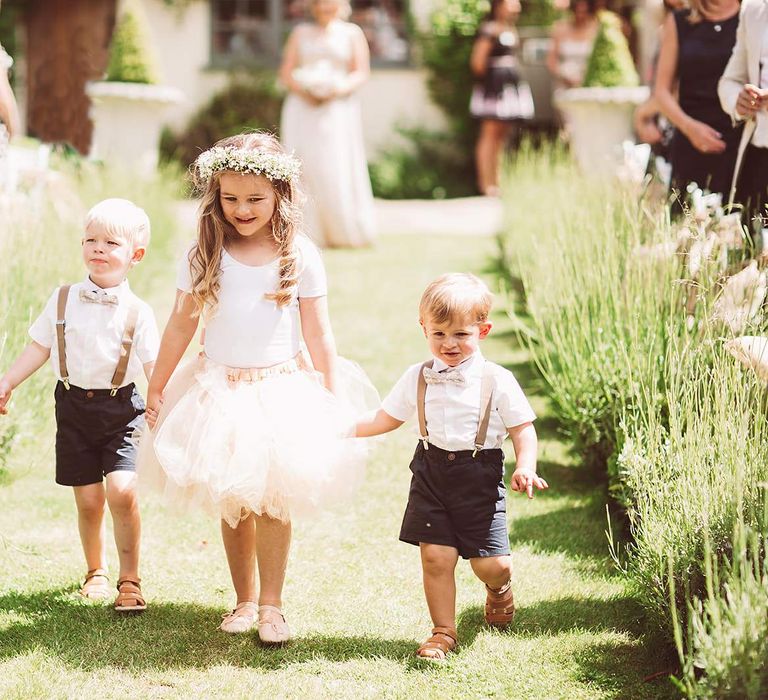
(129, 598)
(499, 606)
(439, 645)
(96, 585)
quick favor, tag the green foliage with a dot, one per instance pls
(250, 101)
(680, 423)
(537, 13)
(610, 64)
(725, 646)
(446, 49)
(129, 52)
(428, 167)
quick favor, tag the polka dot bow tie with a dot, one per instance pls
(95, 297)
(451, 376)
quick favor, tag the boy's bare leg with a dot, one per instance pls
(240, 546)
(273, 541)
(438, 564)
(123, 504)
(90, 501)
(494, 572)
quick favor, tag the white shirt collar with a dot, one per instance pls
(471, 367)
(120, 290)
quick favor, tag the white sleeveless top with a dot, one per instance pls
(248, 330)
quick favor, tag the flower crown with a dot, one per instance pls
(273, 166)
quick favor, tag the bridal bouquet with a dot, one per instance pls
(320, 79)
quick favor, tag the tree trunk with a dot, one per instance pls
(67, 45)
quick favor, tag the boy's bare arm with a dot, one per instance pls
(148, 367)
(31, 359)
(376, 423)
(525, 443)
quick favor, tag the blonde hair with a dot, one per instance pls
(121, 218)
(213, 229)
(456, 295)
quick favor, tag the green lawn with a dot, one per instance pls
(353, 593)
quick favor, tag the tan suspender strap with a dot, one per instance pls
(486, 402)
(125, 349)
(421, 395)
(61, 307)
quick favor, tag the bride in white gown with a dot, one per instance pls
(324, 63)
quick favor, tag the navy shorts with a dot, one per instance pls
(457, 500)
(95, 433)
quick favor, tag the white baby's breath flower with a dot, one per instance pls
(273, 166)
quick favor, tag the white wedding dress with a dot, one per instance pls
(329, 141)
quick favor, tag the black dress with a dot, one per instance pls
(703, 52)
(501, 94)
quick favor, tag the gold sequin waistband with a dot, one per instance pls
(250, 375)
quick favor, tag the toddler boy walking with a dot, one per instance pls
(99, 336)
(466, 406)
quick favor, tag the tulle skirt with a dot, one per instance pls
(269, 441)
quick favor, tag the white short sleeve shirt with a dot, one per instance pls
(453, 412)
(93, 335)
(248, 330)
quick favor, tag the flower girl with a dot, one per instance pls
(251, 429)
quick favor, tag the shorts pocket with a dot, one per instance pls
(138, 402)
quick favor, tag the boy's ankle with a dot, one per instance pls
(501, 589)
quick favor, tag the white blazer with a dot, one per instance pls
(744, 67)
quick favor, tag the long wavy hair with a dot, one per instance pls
(213, 230)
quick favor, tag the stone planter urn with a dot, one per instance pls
(127, 120)
(599, 120)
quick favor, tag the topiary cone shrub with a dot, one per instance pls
(610, 64)
(130, 57)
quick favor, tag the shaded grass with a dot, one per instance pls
(353, 594)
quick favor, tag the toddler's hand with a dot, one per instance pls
(154, 401)
(5, 397)
(525, 480)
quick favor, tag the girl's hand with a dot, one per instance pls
(154, 401)
(751, 100)
(5, 397)
(704, 138)
(525, 480)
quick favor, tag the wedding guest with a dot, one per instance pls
(500, 97)
(695, 48)
(571, 46)
(743, 91)
(325, 63)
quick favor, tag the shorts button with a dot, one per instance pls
(88, 394)
(451, 456)
(429, 524)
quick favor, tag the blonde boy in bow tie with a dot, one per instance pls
(99, 336)
(466, 406)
